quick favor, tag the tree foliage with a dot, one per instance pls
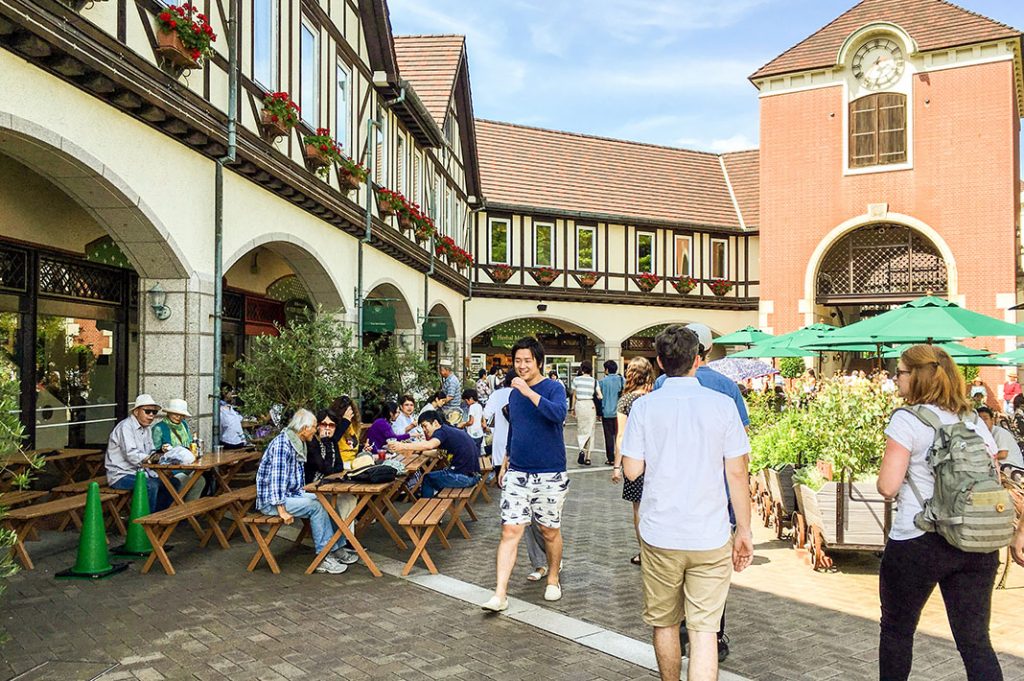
(792, 367)
(400, 371)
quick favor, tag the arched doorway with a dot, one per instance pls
(387, 317)
(75, 241)
(873, 269)
(641, 344)
(565, 343)
(439, 339)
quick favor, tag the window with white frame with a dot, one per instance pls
(683, 255)
(719, 259)
(400, 175)
(264, 43)
(417, 184)
(381, 149)
(341, 112)
(498, 241)
(453, 200)
(309, 75)
(645, 252)
(586, 248)
(543, 244)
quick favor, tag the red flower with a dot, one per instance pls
(173, 23)
(196, 54)
(275, 119)
(165, 16)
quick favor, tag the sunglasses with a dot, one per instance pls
(150, 412)
(327, 425)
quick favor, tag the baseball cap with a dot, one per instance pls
(703, 335)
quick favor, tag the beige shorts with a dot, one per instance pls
(690, 585)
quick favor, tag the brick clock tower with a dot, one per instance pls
(890, 166)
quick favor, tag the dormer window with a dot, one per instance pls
(878, 130)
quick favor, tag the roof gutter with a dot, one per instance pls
(616, 219)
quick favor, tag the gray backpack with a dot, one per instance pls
(970, 508)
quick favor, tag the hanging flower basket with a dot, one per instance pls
(500, 273)
(171, 49)
(320, 151)
(271, 126)
(587, 279)
(647, 282)
(389, 203)
(544, 275)
(184, 37)
(405, 221)
(278, 116)
(720, 286)
(684, 285)
(315, 157)
(423, 231)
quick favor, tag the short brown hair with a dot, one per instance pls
(677, 348)
(935, 379)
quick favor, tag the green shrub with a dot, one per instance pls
(792, 367)
(969, 372)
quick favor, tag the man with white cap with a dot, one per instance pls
(713, 380)
(130, 444)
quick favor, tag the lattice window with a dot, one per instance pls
(881, 259)
(233, 306)
(13, 269)
(80, 280)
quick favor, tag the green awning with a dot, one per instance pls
(435, 331)
(506, 334)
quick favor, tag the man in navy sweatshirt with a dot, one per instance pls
(533, 478)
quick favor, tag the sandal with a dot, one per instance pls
(538, 574)
(635, 560)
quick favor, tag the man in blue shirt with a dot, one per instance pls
(709, 378)
(611, 389)
(465, 453)
(533, 477)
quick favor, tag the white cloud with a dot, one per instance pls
(738, 142)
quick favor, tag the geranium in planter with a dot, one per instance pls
(544, 275)
(184, 36)
(424, 229)
(446, 248)
(588, 279)
(389, 202)
(684, 284)
(720, 286)
(351, 174)
(278, 116)
(463, 258)
(647, 281)
(501, 273)
(320, 151)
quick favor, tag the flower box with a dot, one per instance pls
(405, 221)
(171, 49)
(423, 232)
(272, 129)
(647, 282)
(347, 180)
(278, 115)
(684, 285)
(315, 157)
(587, 279)
(544, 275)
(720, 287)
(501, 273)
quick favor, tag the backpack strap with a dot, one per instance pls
(930, 419)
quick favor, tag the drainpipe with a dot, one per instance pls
(218, 222)
(371, 123)
(466, 342)
(430, 272)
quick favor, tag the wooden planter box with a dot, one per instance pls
(683, 289)
(543, 279)
(271, 129)
(421, 235)
(405, 221)
(346, 180)
(314, 157)
(587, 280)
(385, 210)
(170, 49)
(500, 276)
(844, 516)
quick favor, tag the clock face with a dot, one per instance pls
(878, 63)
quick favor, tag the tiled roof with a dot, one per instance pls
(744, 171)
(933, 24)
(430, 63)
(569, 172)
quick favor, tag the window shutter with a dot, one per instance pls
(878, 130)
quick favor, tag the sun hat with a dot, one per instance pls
(177, 406)
(704, 336)
(145, 400)
(445, 363)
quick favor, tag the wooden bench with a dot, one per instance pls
(160, 526)
(460, 497)
(486, 468)
(242, 501)
(19, 498)
(22, 520)
(124, 497)
(273, 523)
(419, 522)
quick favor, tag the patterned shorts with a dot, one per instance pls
(533, 495)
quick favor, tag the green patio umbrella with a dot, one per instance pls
(772, 350)
(961, 354)
(1012, 357)
(926, 319)
(805, 342)
(747, 336)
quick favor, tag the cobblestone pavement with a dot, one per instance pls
(213, 620)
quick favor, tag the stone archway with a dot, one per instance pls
(303, 261)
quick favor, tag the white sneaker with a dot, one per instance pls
(553, 592)
(496, 604)
(345, 555)
(331, 566)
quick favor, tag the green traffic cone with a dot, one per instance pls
(136, 543)
(93, 558)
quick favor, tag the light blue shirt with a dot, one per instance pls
(611, 390)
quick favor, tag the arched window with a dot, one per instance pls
(880, 262)
(878, 130)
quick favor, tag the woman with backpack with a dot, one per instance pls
(915, 560)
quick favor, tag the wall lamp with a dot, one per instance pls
(158, 302)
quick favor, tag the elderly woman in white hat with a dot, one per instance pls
(130, 444)
(174, 431)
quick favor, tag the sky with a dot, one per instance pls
(671, 72)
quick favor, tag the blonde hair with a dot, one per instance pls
(639, 374)
(935, 379)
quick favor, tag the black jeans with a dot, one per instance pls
(910, 570)
(610, 426)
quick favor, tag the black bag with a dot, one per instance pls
(373, 474)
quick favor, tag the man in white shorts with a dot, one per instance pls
(533, 477)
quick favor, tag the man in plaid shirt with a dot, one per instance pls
(279, 490)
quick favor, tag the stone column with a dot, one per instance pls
(176, 354)
(608, 352)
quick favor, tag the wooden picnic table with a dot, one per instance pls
(224, 465)
(69, 461)
(368, 496)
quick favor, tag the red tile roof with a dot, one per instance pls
(743, 169)
(554, 171)
(933, 24)
(430, 63)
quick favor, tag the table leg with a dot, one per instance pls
(114, 509)
(225, 477)
(383, 520)
(20, 532)
(179, 495)
(343, 529)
